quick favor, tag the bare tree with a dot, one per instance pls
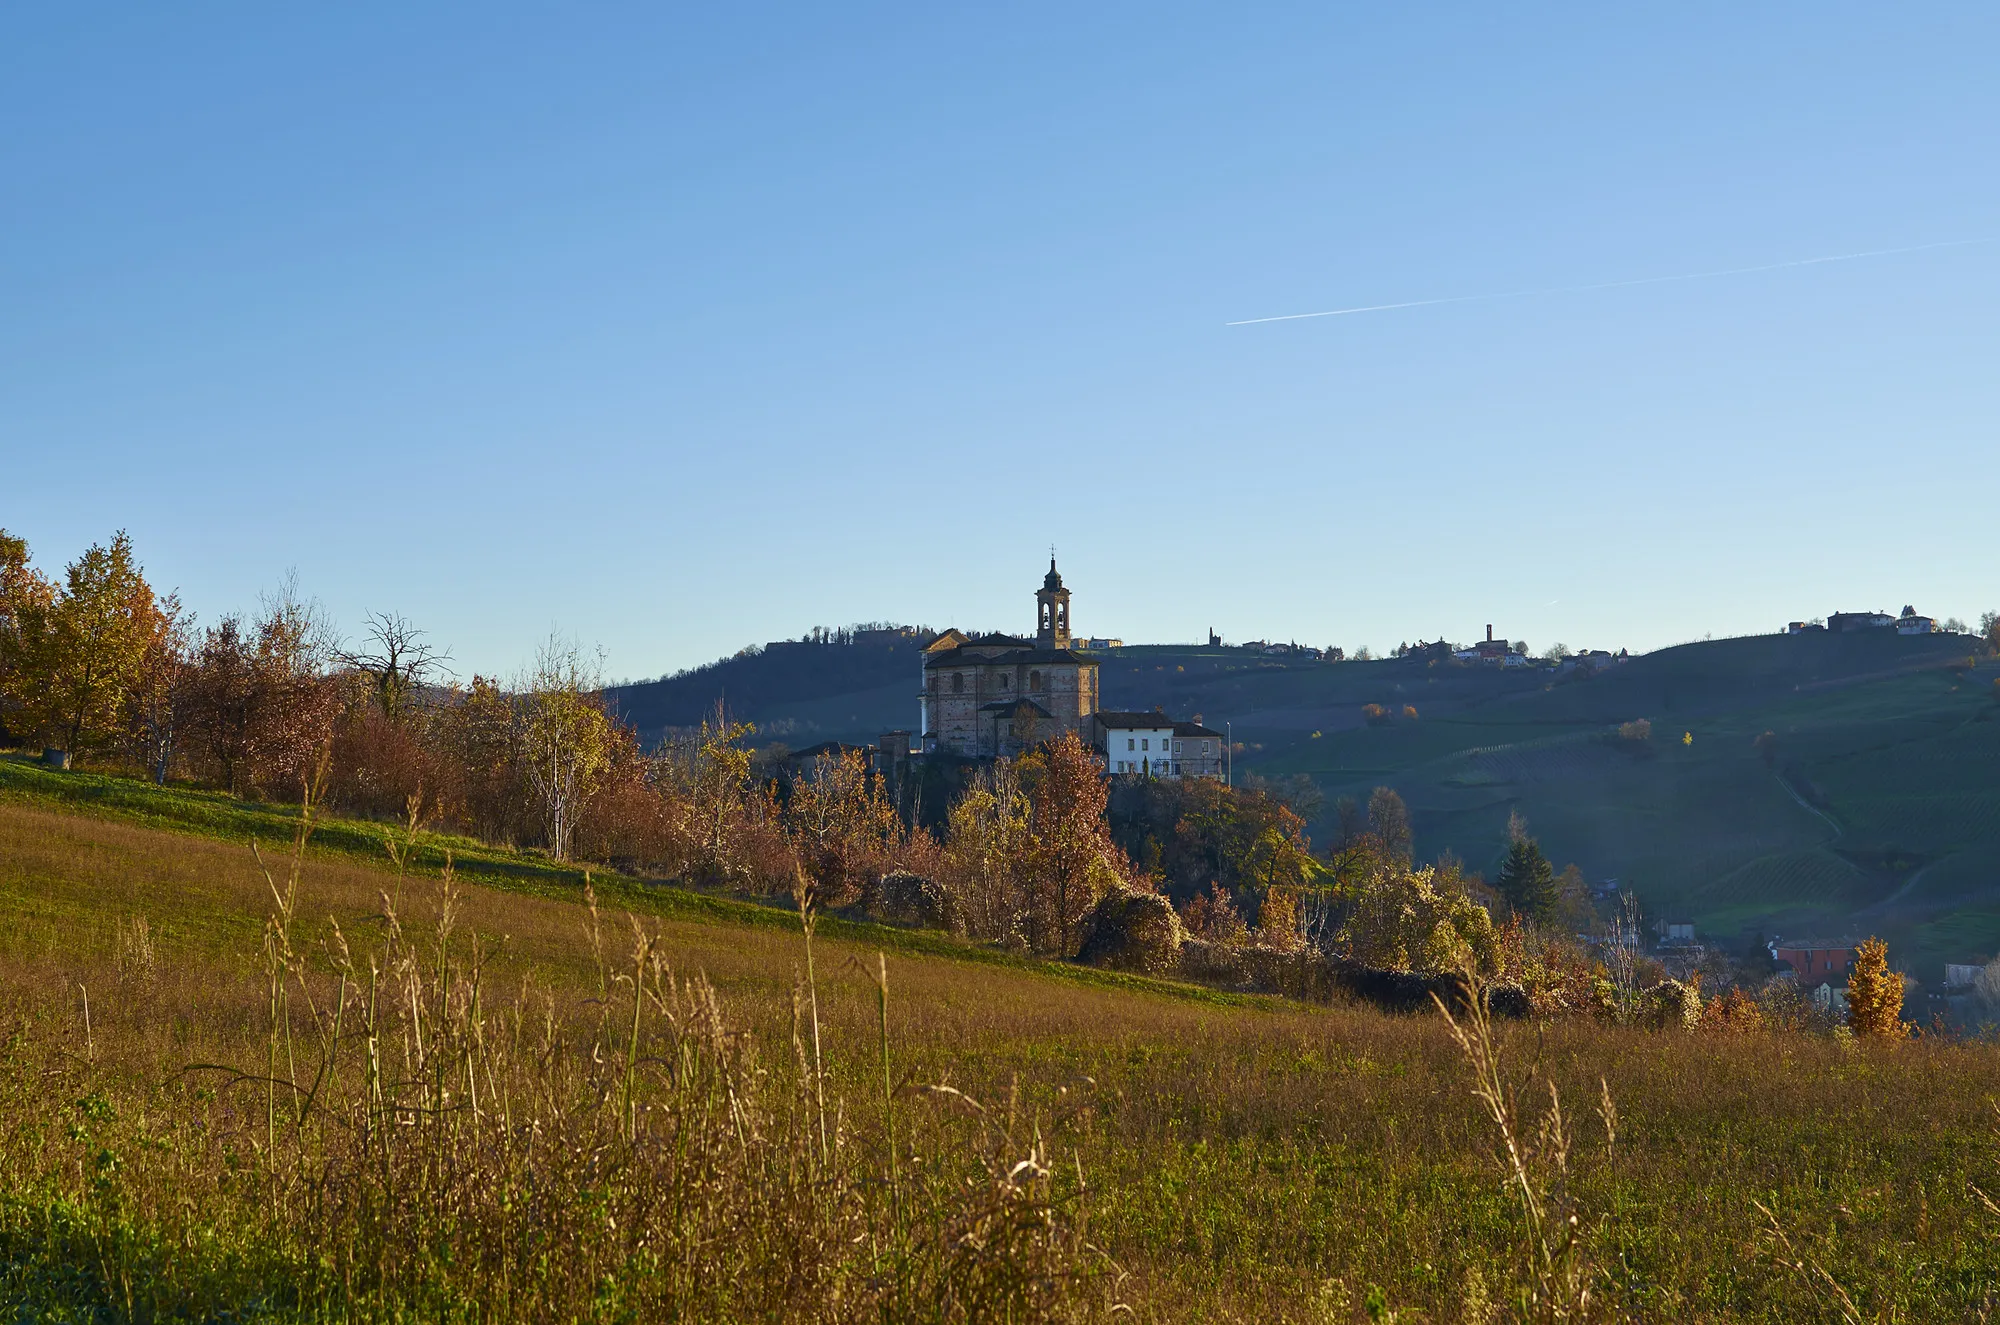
(563, 735)
(395, 659)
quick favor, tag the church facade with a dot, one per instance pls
(997, 695)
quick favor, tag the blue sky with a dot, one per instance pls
(680, 330)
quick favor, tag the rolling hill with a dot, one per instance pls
(1874, 806)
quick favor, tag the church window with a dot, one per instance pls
(1003, 681)
(957, 682)
(1034, 680)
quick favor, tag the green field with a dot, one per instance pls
(1229, 1159)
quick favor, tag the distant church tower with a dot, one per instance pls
(1052, 612)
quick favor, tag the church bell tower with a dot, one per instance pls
(1052, 611)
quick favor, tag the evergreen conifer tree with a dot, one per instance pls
(1527, 880)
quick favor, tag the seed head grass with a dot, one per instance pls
(530, 1113)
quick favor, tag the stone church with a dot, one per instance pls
(1000, 694)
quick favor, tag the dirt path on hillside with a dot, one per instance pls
(1808, 806)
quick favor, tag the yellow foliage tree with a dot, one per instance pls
(1875, 994)
(69, 652)
(564, 737)
(1402, 921)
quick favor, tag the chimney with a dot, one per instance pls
(1489, 634)
(1197, 719)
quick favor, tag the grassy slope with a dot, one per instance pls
(272, 827)
(1241, 1157)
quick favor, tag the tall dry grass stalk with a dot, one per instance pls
(423, 1146)
(1559, 1278)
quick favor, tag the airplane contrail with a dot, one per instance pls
(1613, 285)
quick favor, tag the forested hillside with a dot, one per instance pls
(831, 685)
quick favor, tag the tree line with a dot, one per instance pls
(1042, 853)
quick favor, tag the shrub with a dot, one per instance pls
(902, 897)
(1670, 1005)
(1374, 715)
(1636, 732)
(1402, 922)
(1278, 920)
(1213, 917)
(1735, 1011)
(1130, 930)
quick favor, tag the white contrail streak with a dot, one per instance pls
(1614, 285)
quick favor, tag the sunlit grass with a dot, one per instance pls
(1243, 1159)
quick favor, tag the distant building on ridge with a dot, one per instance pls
(995, 695)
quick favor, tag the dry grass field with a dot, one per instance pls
(1188, 1156)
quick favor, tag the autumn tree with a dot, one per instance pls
(481, 785)
(563, 736)
(219, 702)
(1875, 994)
(1077, 860)
(841, 825)
(989, 853)
(707, 772)
(1389, 824)
(73, 652)
(157, 700)
(26, 597)
(293, 698)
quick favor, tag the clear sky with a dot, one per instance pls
(685, 327)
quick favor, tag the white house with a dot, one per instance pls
(1911, 624)
(1136, 742)
(1156, 745)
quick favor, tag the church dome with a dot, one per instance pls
(1052, 580)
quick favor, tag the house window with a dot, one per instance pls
(1129, 744)
(1145, 742)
